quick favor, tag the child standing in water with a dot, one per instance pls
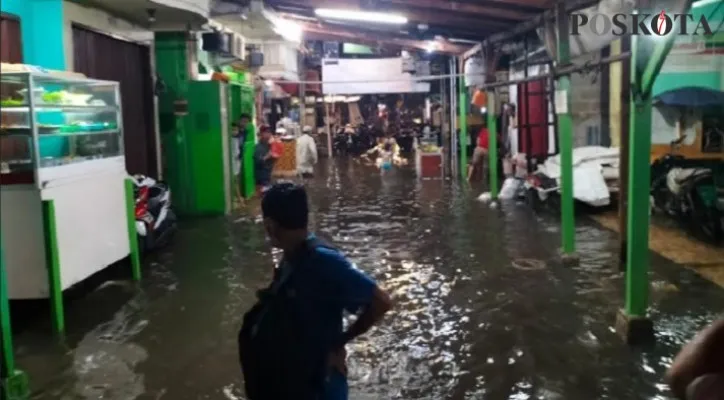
(388, 153)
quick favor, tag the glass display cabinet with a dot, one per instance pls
(50, 122)
(63, 181)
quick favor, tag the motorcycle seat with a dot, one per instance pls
(688, 173)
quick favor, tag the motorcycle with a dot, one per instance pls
(156, 223)
(686, 190)
(595, 173)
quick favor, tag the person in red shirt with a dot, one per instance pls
(277, 148)
(480, 155)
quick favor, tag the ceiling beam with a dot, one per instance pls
(429, 34)
(526, 5)
(456, 7)
(419, 15)
(317, 32)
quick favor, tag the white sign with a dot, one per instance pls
(368, 76)
(561, 99)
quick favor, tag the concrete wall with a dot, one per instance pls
(41, 26)
(200, 7)
(616, 111)
(99, 21)
(585, 106)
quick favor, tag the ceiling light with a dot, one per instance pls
(431, 46)
(289, 30)
(362, 16)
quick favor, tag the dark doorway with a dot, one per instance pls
(101, 56)
(11, 47)
(11, 51)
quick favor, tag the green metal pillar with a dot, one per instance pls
(647, 56)
(52, 262)
(637, 280)
(14, 383)
(492, 146)
(565, 137)
(135, 255)
(463, 100)
(645, 67)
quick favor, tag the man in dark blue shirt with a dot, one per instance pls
(328, 287)
(263, 160)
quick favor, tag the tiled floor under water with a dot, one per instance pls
(468, 323)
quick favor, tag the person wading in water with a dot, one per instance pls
(292, 342)
(264, 160)
(306, 153)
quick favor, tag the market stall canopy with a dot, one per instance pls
(691, 97)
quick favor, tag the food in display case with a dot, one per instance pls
(68, 120)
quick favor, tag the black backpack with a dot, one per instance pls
(276, 357)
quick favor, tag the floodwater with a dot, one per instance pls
(483, 309)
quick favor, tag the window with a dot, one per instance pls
(712, 128)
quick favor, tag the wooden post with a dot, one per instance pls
(463, 106)
(329, 129)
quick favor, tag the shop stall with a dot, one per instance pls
(64, 195)
(286, 166)
(429, 161)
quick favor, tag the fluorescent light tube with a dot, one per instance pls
(362, 16)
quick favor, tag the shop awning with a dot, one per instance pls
(691, 97)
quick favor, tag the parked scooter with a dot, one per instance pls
(156, 223)
(686, 190)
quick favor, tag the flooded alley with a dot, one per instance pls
(483, 308)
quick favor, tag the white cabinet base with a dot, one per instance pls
(91, 230)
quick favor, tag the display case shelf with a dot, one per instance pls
(65, 121)
(59, 108)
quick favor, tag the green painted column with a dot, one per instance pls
(492, 146)
(647, 56)
(52, 262)
(14, 383)
(135, 254)
(463, 100)
(637, 280)
(646, 61)
(565, 139)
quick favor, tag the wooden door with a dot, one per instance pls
(103, 57)
(11, 51)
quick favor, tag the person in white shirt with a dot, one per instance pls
(306, 153)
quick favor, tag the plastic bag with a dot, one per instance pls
(509, 189)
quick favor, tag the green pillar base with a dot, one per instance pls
(16, 387)
(636, 331)
(569, 259)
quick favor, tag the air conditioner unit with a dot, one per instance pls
(256, 59)
(237, 46)
(215, 42)
(409, 64)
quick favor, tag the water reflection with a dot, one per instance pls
(468, 323)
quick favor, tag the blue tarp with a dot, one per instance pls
(691, 97)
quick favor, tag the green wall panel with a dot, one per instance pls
(206, 141)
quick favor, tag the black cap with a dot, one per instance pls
(286, 204)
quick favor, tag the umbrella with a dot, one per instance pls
(691, 97)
